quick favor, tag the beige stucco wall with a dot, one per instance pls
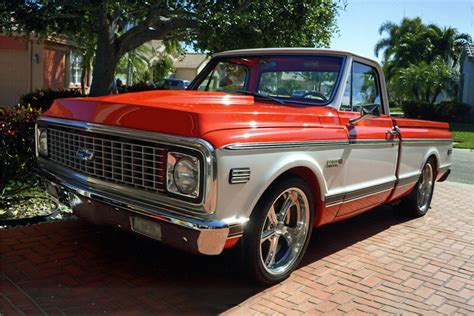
(185, 73)
(13, 75)
(37, 69)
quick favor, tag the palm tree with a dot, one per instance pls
(449, 43)
(407, 43)
(421, 82)
(135, 65)
(410, 48)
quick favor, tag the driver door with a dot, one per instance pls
(373, 152)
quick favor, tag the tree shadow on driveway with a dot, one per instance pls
(87, 269)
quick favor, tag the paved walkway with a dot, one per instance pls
(375, 263)
(462, 168)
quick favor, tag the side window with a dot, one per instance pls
(362, 88)
(346, 98)
(227, 77)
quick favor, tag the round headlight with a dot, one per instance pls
(43, 142)
(186, 175)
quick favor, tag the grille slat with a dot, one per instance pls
(121, 161)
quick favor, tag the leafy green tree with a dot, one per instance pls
(448, 43)
(123, 25)
(415, 54)
(163, 68)
(412, 42)
(135, 65)
(421, 82)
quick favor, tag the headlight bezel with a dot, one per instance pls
(42, 140)
(173, 158)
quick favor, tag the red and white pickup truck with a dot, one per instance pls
(264, 145)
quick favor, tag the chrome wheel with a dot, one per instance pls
(425, 188)
(284, 232)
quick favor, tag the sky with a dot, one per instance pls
(360, 22)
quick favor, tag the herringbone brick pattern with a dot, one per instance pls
(379, 262)
(421, 266)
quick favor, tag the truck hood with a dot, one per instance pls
(188, 113)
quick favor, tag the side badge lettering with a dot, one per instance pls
(334, 163)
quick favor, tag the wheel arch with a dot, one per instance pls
(432, 153)
(308, 172)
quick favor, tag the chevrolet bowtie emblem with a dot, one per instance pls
(85, 154)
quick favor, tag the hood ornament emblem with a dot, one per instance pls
(85, 154)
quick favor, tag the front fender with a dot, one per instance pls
(238, 200)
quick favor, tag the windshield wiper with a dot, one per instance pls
(261, 96)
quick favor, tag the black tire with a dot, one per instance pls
(418, 202)
(251, 247)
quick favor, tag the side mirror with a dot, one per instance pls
(366, 110)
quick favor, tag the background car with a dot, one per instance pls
(173, 84)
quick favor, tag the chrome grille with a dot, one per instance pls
(127, 162)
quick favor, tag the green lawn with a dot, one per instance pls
(463, 134)
(398, 110)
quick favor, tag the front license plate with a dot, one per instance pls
(146, 227)
(51, 188)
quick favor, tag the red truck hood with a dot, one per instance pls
(187, 113)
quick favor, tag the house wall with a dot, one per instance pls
(37, 68)
(468, 83)
(185, 73)
(26, 65)
(14, 69)
(54, 66)
(201, 66)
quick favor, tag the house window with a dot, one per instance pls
(76, 68)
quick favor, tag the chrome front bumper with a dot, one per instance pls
(187, 233)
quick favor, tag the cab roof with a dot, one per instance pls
(289, 50)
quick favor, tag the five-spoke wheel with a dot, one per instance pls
(278, 232)
(425, 187)
(419, 201)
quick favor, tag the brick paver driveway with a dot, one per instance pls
(377, 262)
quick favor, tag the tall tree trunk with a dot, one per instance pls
(106, 58)
(84, 73)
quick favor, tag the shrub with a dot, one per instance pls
(451, 111)
(412, 108)
(42, 99)
(138, 87)
(446, 111)
(17, 143)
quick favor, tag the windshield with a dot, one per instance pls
(308, 78)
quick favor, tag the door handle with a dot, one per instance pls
(393, 132)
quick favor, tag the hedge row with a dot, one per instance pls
(41, 99)
(446, 111)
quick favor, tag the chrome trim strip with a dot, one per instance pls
(357, 194)
(331, 200)
(426, 140)
(306, 144)
(373, 141)
(275, 145)
(408, 180)
(302, 144)
(209, 200)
